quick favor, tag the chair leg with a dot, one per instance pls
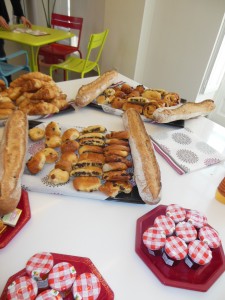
(98, 70)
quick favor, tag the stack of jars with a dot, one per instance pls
(181, 234)
(46, 280)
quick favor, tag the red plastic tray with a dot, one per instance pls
(81, 264)
(25, 216)
(180, 276)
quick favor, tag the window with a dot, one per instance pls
(216, 66)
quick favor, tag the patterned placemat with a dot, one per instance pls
(185, 151)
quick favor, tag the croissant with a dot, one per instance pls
(31, 85)
(47, 92)
(41, 108)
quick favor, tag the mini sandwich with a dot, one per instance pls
(138, 100)
(94, 128)
(87, 171)
(89, 156)
(92, 141)
(117, 142)
(98, 135)
(86, 184)
(93, 159)
(117, 158)
(124, 135)
(117, 147)
(112, 189)
(114, 166)
(90, 148)
(116, 152)
(116, 176)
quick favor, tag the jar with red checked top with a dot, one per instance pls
(209, 236)
(61, 278)
(176, 213)
(86, 286)
(174, 251)
(154, 239)
(165, 223)
(199, 254)
(196, 218)
(186, 231)
(49, 295)
(39, 266)
(22, 288)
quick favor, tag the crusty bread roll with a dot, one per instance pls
(12, 160)
(183, 111)
(146, 169)
(87, 93)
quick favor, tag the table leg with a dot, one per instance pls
(33, 56)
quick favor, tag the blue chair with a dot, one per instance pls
(7, 69)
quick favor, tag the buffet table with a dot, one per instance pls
(104, 231)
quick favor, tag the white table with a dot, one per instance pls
(105, 231)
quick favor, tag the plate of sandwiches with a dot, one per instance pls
(153, 105)
(92, 162)
(88, 162)
(34, 93)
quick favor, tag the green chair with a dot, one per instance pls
(83, 66)
(7, 68)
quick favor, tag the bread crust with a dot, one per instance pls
(87, 93)
(183, 111)
(146, 169)
(12, 161)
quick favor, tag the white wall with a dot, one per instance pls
(93, 15)
(124, 20)
(181, 40)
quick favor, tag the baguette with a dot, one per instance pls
(146, 169)
(12, 160)
(183, 111)
(87, 93)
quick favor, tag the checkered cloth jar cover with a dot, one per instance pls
(86, 286)
(23, 287)
(175, 248)
(154, 238)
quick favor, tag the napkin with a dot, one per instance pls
(185, 151)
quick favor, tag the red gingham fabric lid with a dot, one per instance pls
(62, 276)
(209, 236)
(175, 248)
(23, 288)
(186, 231)
(196, 218)
(39, 264)
(165, 223)
(86, 287)
(176, 213)
(154, 238)
(49, 295)
(199, 252)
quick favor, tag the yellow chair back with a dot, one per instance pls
(83, 66)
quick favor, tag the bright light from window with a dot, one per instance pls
(217, 71)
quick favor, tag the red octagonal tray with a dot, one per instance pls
(180, 276)
(25, 216)
(81, 264)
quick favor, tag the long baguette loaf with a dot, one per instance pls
(87, 93)
(146, 169)
(183, 111)
(12, 161)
